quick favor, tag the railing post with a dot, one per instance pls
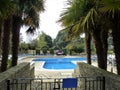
(41, 84)
(85, 83)
(8, 84)
(56, 84)
(103, 83)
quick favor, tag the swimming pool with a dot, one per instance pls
(60, 63)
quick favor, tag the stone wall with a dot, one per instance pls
(20, 71)
(112, 81)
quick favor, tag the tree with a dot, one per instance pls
(44, 40)
(72, 18)
(111, 10)
(60, 41)
(48, 39)
(15, 38)
(23, 47)
(1, 33)
(29, 11)
(7, 9)
(93, 22)
(64, 43)
(76, 45)
(88, 20)
(5, 43)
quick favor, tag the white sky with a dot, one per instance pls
(48, 18)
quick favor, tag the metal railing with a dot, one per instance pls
(94, 83)
(84, 83)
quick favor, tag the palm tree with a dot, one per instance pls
(111, 10)
(73, 17)
(99, 48)
(88, 47)
(15, 38)
(87, 19)
(5, 43)
(7, 8)
(1, 29)
(94, 24)
(29, 11)
(91, 23)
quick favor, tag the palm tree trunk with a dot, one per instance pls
(105, 47)
(15, 38)
(99, 48)
(5, 43)
(1, 32)
(88, 47)
(116, 42)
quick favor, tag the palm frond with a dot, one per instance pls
(110, 7)
(30, 30)
(89, 19)
(7, 7)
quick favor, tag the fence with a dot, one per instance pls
(94, 83)
(89, 83)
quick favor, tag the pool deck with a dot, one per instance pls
(46, 73)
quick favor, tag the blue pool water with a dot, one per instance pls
(59, 63)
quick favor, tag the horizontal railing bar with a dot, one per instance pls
(60, 78)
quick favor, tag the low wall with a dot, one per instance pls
(20, 71)
(112, 81)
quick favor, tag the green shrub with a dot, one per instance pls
(110, 52)
(52, 51)
(9, 62)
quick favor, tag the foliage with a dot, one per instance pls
(79, 49)
(7, 8)
(32, 45)
(110, 52)
(9, 63)
(93, 48)
(60, 41)
(66, 44)
(44, 40)
(51, 51)
(23, 47)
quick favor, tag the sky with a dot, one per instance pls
(49, 17)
